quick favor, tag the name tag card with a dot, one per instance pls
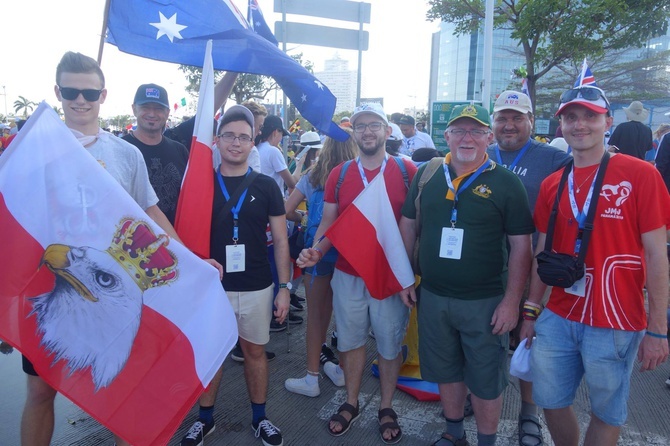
(578, 288)
(235, 258)
(451, 244)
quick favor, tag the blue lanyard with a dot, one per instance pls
(580, 216)
(461, 187)
(520, 155)
(235, 210)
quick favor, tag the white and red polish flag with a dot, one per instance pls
(194, 208)
(111, 313)
(367, 235)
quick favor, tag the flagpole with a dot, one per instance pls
(105, 17)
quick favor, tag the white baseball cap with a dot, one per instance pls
(371, 108)
(513, 100)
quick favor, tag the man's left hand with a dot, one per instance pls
(282, 302)
(505, 317)
(652, 353)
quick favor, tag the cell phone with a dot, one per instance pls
(303, 152)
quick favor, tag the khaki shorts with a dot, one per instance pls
(253, 311)
(456, 344)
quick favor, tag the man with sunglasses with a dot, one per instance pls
(166, 159)
(80, 87)
(470, 286)
(355, 309)
(593, 329)
(531, 161)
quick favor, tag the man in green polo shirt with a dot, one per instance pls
(469, 298)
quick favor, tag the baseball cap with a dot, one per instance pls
(151, 93)
(371, 108)
(588, 96)
(513, 100)
(311, 139)
(474, 112)
(406, 120)
(396, 134)
(274, 122)
(237, 111)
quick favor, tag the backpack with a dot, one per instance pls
(314, 215)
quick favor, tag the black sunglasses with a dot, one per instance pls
(71, 94)
(588, 93)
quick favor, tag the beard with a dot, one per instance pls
(466, 155)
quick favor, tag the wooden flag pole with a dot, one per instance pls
(104, 31)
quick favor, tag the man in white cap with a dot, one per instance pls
(634, 137)
(592, 329)
(355, 309)
(531, 161)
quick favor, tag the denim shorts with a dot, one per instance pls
(356, 311)
(565, 351)
(321, 269)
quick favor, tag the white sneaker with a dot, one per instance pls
(335, 373)
(300, 386)
(667, 382)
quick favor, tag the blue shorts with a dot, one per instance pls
(565, 351)
(356, 311)
(321, 269)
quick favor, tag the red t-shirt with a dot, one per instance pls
(352, 185)
(633, 201)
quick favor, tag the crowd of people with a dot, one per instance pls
(514, 243)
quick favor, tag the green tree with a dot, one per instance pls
(247, 86)
(552, 32)
(118, 121)
(24, 105)
(58, 110)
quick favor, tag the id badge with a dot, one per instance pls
(578, 288)
(451, 244)
(235, 258)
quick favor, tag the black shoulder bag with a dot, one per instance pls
(563, 270)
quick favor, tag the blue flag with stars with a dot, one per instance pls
(177, 31)
(257, 22)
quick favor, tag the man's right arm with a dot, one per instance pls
(310, 256)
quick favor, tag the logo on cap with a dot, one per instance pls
(470, 110)
(153, 93)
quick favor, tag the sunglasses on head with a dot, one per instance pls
(71, 94)
(588, 93)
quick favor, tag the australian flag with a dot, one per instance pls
(257, 22)
(177, 31)
(585, 76)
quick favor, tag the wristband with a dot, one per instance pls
(319, 251)
(532, 304)
(531, 311)
(655, 335)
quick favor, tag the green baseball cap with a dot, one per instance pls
(474, 112)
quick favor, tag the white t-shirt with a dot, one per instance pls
(126, 164)
(418, 141)
(272, 162)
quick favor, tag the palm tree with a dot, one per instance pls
(58, 110)
(25, 105)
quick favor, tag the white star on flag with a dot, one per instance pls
(168, 27)
(319, 84)
(303, 97)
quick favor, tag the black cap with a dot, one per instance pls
(406, 120)
(274, 122)
(151, 93)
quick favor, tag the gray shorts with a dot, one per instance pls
(356, 311)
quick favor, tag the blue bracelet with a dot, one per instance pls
(655, 335)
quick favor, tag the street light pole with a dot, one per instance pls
(4, 92)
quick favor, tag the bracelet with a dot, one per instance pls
(532, 304)
(655, 335)
(531, 311)
(319, 251)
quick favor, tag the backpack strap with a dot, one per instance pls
(431, 168)
(403, 169)
(343, 172)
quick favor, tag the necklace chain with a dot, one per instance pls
(587, 178)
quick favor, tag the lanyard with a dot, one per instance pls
(461, 187)
(580, 216)
(360, 170)
(520, 155)
(235, 210)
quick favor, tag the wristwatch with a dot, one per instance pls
(288, 286)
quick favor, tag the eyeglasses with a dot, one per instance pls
(588, 93)
(71, 94)
(373, 126)
(460, 133)
(230, 138)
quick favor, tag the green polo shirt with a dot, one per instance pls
(492, 207)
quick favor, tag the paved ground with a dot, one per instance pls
(303, 419)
